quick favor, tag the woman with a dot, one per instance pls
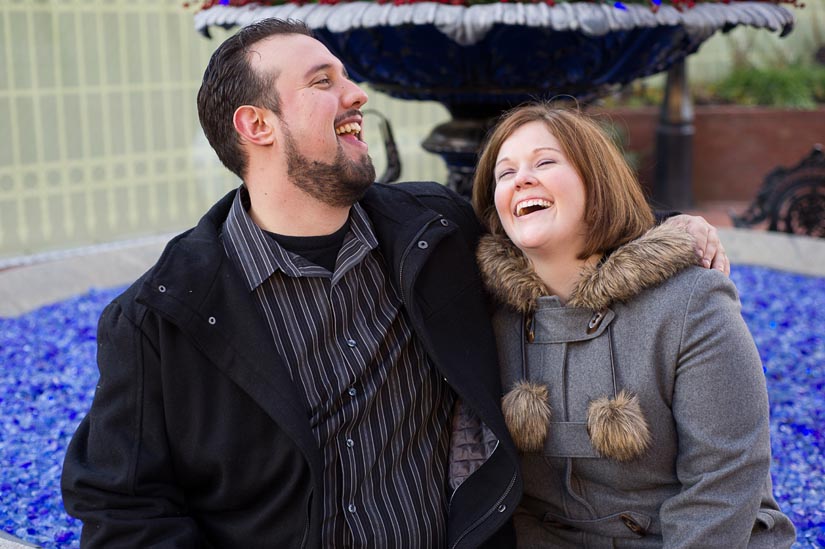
(635, 391)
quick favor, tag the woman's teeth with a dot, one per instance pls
(530, 206)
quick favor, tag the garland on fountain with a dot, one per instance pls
(654, 4)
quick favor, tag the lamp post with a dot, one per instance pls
(672, 186)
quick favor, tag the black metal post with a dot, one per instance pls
(672, 186)
(459, 139)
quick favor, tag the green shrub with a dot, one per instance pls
(795, 86)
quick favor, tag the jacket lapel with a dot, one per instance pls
(219, 315)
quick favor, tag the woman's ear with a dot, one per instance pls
(251, 123)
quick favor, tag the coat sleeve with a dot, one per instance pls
(117, 474)
(720, 406)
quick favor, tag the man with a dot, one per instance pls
(312, 365)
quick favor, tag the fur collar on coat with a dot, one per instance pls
(615, 423)
(642, 263)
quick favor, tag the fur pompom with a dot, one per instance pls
(617, 427)
(527, 413)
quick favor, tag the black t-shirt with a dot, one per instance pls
(320, 250)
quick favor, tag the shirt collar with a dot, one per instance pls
(259, 256)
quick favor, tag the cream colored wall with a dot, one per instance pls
(99, 137)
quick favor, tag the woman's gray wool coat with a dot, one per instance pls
(695, 471)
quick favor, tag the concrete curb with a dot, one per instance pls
(28, 287)
(784, 252)
(7, 541)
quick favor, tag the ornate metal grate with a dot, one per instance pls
(791, 200)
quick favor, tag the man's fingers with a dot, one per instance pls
(709, 250)
(721, 261)
(709, 247)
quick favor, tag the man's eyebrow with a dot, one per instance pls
(323, 67)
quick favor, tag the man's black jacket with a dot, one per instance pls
(198, 437)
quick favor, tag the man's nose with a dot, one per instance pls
(354, 96)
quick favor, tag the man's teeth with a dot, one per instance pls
(529, 206)
(351, 127)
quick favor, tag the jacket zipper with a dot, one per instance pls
(450, 502)
(482, 518)
(407, 252)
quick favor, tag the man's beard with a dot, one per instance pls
(340, 183)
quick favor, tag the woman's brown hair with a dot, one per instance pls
(616, 210)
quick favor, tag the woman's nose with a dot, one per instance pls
(524, 178)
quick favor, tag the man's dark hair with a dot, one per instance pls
(229, 82)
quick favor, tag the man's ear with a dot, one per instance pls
(251, 123)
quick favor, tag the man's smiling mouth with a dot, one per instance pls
(350, 128)
(533, 205)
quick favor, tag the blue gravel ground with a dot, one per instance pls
(48, 377)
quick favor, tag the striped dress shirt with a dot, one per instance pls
(379, 410)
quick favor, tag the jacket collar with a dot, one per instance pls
(628, 270)
(396, 214)
(397, 217)
(195, 285)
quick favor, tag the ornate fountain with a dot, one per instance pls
(482, 59)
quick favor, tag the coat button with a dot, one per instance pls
(212, 320)
(632, 525)
(444, 222)
(595, 320)
(502, 508)
(423, 244)
(162, 288)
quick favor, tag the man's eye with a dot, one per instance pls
(324, 81)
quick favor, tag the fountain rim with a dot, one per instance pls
(467, 25)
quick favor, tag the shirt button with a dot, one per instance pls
(351, 343)
(352, 391)
(350, 443)
(351, 508)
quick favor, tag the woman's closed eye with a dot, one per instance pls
(504, 173)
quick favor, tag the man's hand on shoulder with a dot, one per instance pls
(709, 249)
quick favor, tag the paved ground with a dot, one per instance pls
(28, 287)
